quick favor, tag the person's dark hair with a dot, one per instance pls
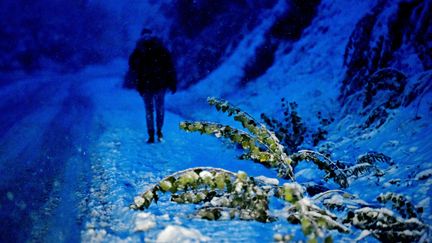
(146, 31)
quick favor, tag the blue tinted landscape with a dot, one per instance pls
(291, 121)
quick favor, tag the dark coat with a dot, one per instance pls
(153, 66)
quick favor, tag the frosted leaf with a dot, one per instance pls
(266, 180)
(241, 175)
(205, 175)
(139, 201)
(165, 185)
(239, 187)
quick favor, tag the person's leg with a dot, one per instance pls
(149, 107)
(160, 112)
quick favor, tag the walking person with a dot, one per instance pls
(151, 62)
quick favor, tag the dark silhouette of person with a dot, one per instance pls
(155, 73)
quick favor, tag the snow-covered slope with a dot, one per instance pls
(314, 63)
(310, 72)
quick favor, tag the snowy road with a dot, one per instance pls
(38, 136)
(74, 156)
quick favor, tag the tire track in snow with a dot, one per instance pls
(25, 98)
(20, 148)
(72, 195)
(36, 149)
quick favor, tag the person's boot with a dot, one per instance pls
(151, 140)
(160, 136)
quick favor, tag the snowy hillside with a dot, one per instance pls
(349, 79)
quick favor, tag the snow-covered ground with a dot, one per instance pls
(123, 166)
(82, 147)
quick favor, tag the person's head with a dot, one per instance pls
(146, 32)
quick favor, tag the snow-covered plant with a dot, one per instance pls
(244, 139)
(373, 157)
(400, 203)
(226, 195)
(260, 144)
(363, 168)
(223, 194)
(263, 146)
(290, 130)
(367, 163)
(388, 79)
(424, 175)
(331, 168)
(313, 219)
(340, 173)
(339, 200)
(386, 226)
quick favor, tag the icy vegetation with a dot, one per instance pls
(226, 195)
(321, 129)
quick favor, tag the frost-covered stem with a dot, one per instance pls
(235, 110)
(178, 173)
(386, 226)
(319, 154)
(263, 135)
(358, 168)
(319, 195)
(264, 153)
(401, 203)
(240, 132)
(326, 164)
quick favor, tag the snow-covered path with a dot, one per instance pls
(43, 124)
(123, 166)
(73, 157)
(78, 144)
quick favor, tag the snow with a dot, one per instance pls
(138, 200)
(10, 196)
(144, 221)
(180, 234)
(335, 200)
(205, 175)
(363, 235)
(424, 174)
(266, 180)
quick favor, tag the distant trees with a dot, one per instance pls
(62, 34)
(203, 33)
